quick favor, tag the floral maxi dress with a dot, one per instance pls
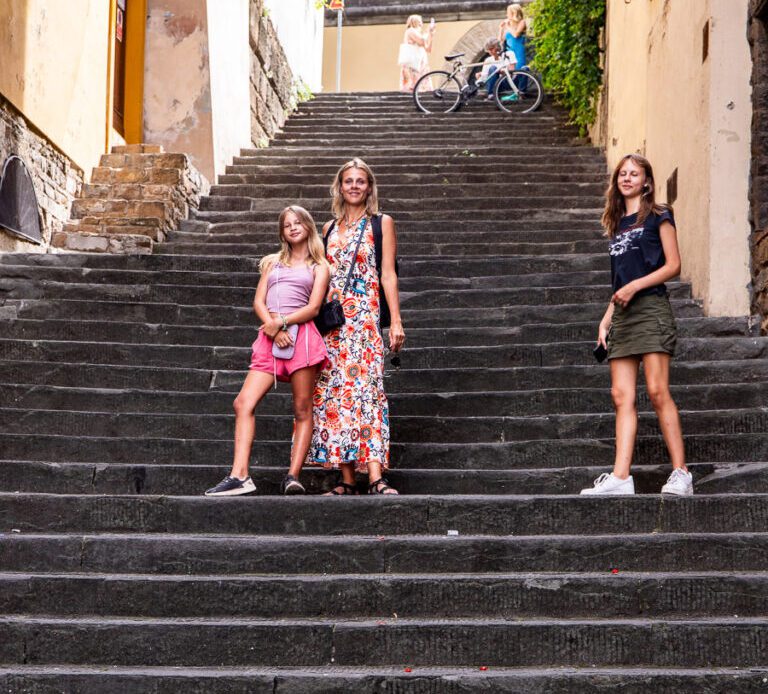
(350, 409)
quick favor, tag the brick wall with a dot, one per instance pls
(273, 94)
(56, 178)
(758, 39)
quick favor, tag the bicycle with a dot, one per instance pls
(515, 91)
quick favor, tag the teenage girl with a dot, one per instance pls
(638, 325)
(290, 292)
(512, 34)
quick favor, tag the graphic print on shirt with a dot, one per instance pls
(624, 242)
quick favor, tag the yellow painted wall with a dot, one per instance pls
(665, 102)
(369, 54)
(53, 68)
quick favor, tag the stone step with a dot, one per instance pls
(509, 455)
(372, 680)
(723, 396)
(143, 311)
(233, 336)
(171, 379)
(404, 428)
(497, 596)
(122, 641)
(192, 480)
(236, 358)
(98, 208)
(243, 296)
(166, 553)
(366, 515)
(420, 190)
(429, 175)
(137, 175)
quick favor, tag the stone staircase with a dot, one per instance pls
(487, 574)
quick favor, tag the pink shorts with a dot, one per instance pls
(310, 350)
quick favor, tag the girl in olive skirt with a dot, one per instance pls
(638, 325)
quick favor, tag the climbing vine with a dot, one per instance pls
(566, 38)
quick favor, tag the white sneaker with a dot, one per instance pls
(680, 482)
(610, 484)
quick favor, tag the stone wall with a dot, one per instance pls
(273, 90)
(758, 194)
(56, 178)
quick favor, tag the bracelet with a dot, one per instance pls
(285, 325)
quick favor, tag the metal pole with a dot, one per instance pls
(338, 51)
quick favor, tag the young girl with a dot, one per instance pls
(289, 347)
(638, 324)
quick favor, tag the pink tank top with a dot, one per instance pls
(289, 288)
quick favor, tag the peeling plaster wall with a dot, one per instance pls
(177, 81)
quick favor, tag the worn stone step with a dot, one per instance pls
(393, 517)
(111, 640)
(237, 357)
(173, 379)
(510, 596)
(410, 190)
(166, 553)
(111, 478)
(509, 455)
(372, 680)
(439, 404)
(143, 311)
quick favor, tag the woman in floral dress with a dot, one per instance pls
(351, 414)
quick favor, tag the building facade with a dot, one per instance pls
(200, 77)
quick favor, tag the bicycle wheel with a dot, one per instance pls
(437, 92)
(522, 95)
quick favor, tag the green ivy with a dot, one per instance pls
(566, 40)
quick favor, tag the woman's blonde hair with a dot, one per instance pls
(314, 242)
(338, 206)
(516, 12)
(614, 200)
(413, 21)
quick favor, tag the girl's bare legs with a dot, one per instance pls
(303, 385)
(255, 387)
(623, 391)
(656, 367)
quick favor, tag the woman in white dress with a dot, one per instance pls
(414, 58)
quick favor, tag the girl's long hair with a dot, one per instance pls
(338, 206)
(614, 200)
(314, 242)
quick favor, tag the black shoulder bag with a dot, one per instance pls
(331, 314)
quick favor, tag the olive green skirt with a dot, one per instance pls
(646, 325)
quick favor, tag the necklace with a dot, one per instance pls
(349, 225)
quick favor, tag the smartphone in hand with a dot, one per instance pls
(600, 353)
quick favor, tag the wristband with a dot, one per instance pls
(285, 325)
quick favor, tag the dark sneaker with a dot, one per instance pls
(292, 486)
(232, 486)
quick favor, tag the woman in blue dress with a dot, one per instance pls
(512, 37)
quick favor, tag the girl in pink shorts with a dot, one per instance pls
(290, 292)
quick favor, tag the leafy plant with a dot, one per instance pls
(567, 52)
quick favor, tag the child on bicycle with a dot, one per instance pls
(290, 292)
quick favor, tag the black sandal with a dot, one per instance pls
(374, 488)
(349, 490)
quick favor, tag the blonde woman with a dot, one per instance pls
(414, 59)
(512, 34)
(290, 292)
(351, 413)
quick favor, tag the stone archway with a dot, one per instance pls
(758, 194)
(472, 44)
